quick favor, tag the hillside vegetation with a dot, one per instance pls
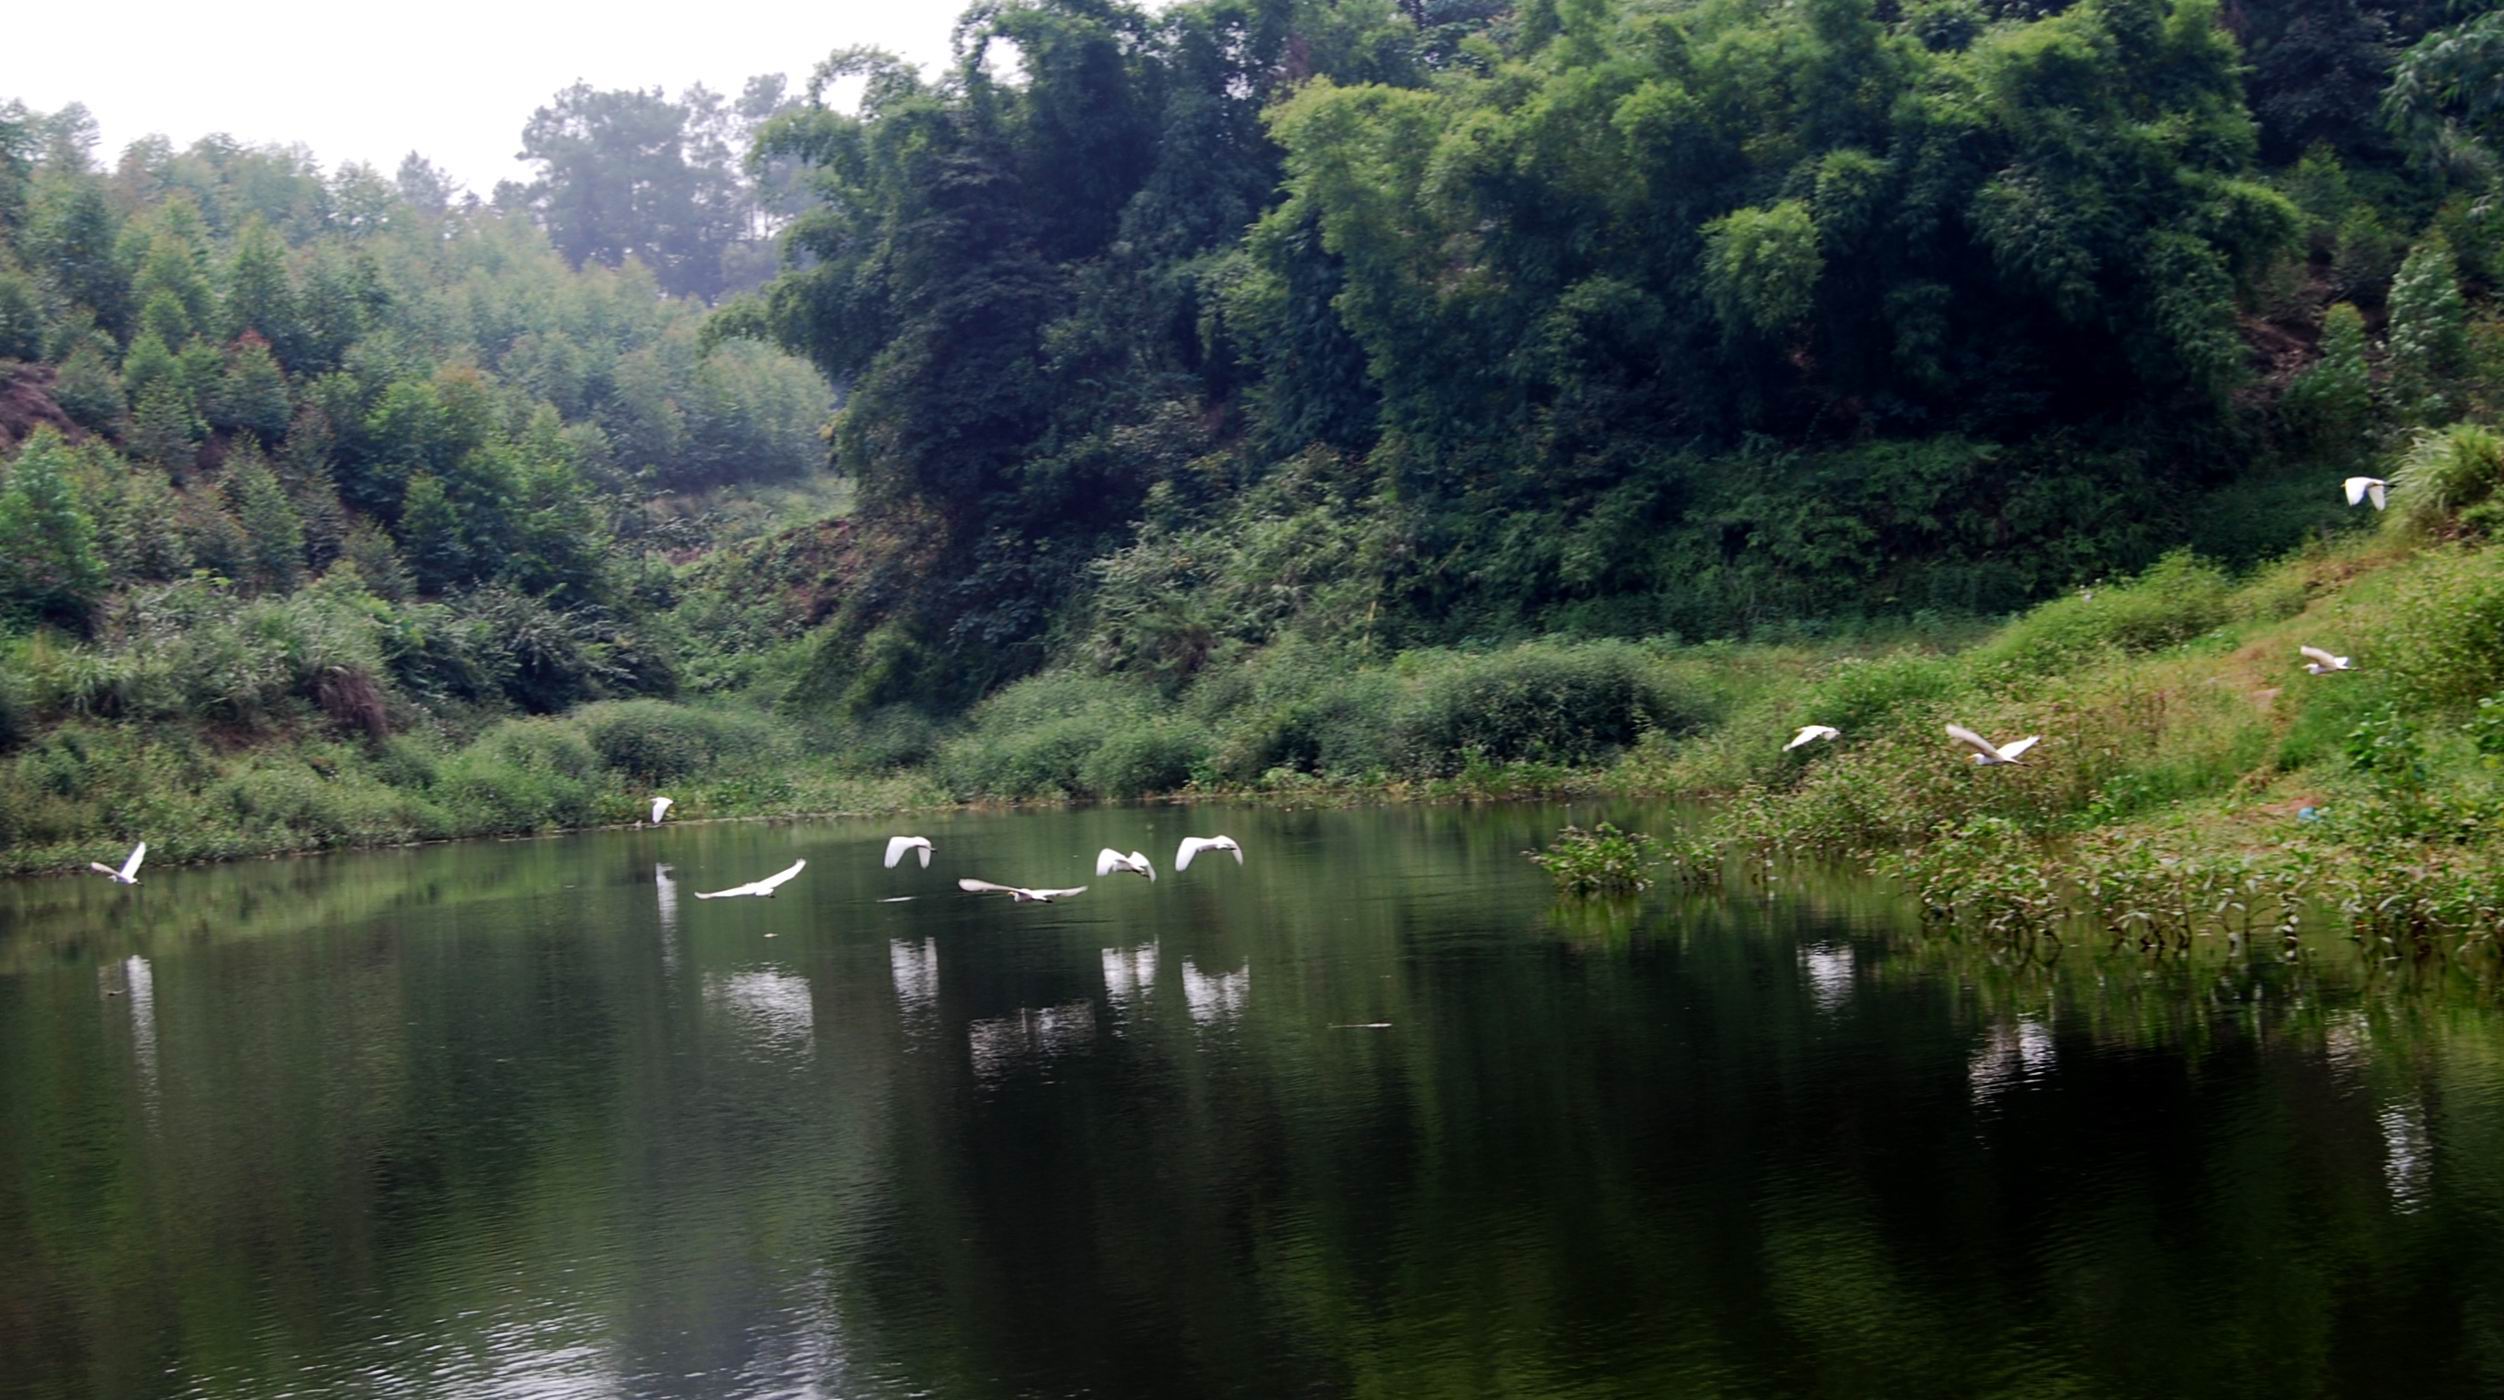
(1287, 396)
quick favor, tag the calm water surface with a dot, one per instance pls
(1370, 1114)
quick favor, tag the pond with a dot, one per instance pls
(1370, 1113)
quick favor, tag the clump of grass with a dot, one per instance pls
(2446, 479)
(1603, 860)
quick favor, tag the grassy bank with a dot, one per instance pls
(2192, 776)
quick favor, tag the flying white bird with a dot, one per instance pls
(2323, 663)
(2360, 487)
(1985, 752)
(898, 845)
(659, 805)
(1811, 733)
(1017, 893)
(129, 873)
(764, 887)
(1193, 845)
(1110, 861)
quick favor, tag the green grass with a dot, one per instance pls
(2182, 738)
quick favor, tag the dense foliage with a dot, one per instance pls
(1186, 330)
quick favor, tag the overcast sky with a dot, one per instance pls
(452, 79)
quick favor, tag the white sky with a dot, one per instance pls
(451, 79)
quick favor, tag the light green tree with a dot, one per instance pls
(2428, 339)
(50, 568)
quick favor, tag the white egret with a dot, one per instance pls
(1987, 753)
(1810, 734)
(898, 845)
(2322, 663)
(1017, 893)
(129, 873)
(1110, 861)
(1193, 845)
(763, 887)
(2360, 487)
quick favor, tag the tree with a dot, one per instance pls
(260, 296)
(170, 284)
(70, 240)
(88, 390)
(368, 548)
(630, 174)
(2446, 99)
(165, 431)
(273, 532)
(2428, 338)
(252, 392)
(2331, 405)
(21, 315)
(424, 187)
(50, 570)
(431, 537)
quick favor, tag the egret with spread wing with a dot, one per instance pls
(1110, 862)
(1017, 893)
(898, 845)
(1987, 753)
(763, 887)
(1810, 734)
(1193, 845)
(129, 873)
(2361, 487)
(2322, 663)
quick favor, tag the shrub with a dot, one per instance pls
(2444, 473)
(656, 741)
(1035, 738)
(1541, 701)
(1603, 860)
(523, 775)
(2450, 652)
(2181, 598)
(1160, 756)
(887, 737)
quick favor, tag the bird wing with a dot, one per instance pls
(1109, 860)
(767, 885)
(1191, 846)
(1056, 894)
(1227, 843)
(897, 846)
(138, 853)
(1139, 861)
(2013, 750)
(2317, 654)
(984, 887)
(101, 868)
(2375, 491)
(923, 845)
(2356, 488)
(725, 894)
(1973, 741)
(660, 805)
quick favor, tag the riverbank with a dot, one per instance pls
(2188, 759)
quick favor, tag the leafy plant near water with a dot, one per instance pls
(1603, 860)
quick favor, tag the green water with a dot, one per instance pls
(528, 1119)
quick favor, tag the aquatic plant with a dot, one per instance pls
(1603, 860)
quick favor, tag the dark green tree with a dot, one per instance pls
(273, 532)
(431, 537)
